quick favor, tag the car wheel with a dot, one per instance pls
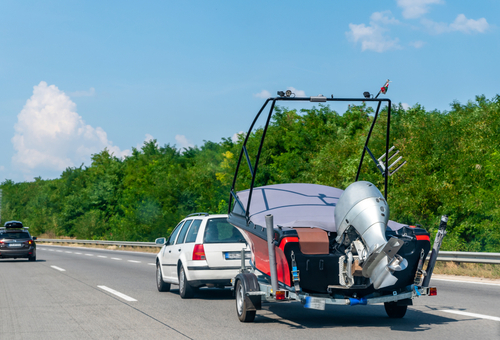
(394, 311)
(160, 284)
(241, 306)
(32, 258)
(185, 290)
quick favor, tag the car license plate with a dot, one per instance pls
(12, 245)
(315, 303)
(236, 255)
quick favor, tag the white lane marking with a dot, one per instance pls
(43, 248)
(473, 315)
(102, 256)
(51, 249)
(152, 264)
(57, 268)
(474, 282)
(59, 251)
(112, 291)
(69, 252)
(116, 258)
(133, 261)
(89, 255)
(78, 253)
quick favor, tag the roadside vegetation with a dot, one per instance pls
(453, 168)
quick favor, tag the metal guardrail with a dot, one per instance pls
(101, 242)
(455, 256)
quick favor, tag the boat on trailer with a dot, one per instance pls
(322, 245)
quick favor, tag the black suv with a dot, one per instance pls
(16, 241)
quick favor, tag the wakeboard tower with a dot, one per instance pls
(323, 245)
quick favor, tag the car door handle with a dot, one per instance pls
(179, 250)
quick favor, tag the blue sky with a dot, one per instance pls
(79, 76)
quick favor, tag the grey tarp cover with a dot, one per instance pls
(296, 205)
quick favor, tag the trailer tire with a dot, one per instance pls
(244, 315)
(394, 311)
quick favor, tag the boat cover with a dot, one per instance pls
(296, 205)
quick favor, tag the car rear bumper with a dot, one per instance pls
(12, 253)
(202, 275)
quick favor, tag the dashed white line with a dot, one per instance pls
(51, 249)
(102, 256)
(69, 252)
(112, 291)
(89, 254)
(473, 315)
(133, 261)
(59, 251)
(78, 253)
(116, 258)
(57, 268)
(152, 264)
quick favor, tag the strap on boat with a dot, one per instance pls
(295, 274)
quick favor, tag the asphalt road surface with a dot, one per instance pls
(82, 293)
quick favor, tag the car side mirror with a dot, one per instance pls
(160, 240)
(34, 238)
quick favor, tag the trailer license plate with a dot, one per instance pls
(315, 303)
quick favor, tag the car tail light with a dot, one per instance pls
(198, 252)
(29, 242)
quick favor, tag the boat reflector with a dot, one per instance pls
(423, 238)
(433, 291)
(280, 295)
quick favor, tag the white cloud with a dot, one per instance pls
(405, 106)
(235, 137)
(264, 94)
(372, 37)
(417, 44)
(384, 17)
(50, 135)
(465, 25)
(89, 93)
(147, 139)
(183, 142)
(416, 8)
(2, 168)
(298, 93)
(461, 24)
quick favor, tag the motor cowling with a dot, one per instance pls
(362, 211)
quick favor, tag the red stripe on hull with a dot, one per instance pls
(261, 258)
(423, 238)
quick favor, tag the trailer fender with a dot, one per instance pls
(250, 284)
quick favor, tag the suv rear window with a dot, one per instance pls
(218, 230)
(14, 235)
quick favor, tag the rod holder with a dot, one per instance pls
(272, 256)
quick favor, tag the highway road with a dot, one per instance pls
(83, 293)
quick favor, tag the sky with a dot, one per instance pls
(80, 76)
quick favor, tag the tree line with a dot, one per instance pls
(453, 163)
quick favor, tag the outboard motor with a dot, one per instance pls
(361, 217)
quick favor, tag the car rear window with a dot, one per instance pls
(14, 235)
(218, 230)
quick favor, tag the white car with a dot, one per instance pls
(203, 250)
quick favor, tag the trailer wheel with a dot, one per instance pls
(394, 311)
(241, 306)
